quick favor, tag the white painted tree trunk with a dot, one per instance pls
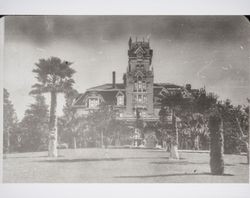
(52, 150)
(197, 143)
(102, 139)
(174, 140)
(53, 144)
(74, 142)
(174, 152)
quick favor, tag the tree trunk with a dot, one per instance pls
(174, 152)
(174, 140)
(8, 140)
(74, 142)
(216, 145)
(247, 147)
(52, 150)
(197, 142)
(102, 140)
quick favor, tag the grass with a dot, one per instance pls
(120, 166)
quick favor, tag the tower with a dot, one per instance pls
(139, 79)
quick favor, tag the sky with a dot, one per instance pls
(210, 51)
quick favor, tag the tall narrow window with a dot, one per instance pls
(140, 98)
(140, 86)
(144, 86)
(135, 86)
(120, 100)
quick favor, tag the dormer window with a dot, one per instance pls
(139, 54)
(120, 99)
(93, 103)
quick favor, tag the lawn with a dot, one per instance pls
(120, 166)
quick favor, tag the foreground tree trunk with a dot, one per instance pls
(248, 155)
(52, 150)
(216, 145)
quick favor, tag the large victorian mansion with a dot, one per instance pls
(137, 94)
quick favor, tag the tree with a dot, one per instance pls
(229, 115)
(216, 140)
(54, 76)
(236, 119)
(204, 101)
(99, 123)
(34, 126)
(172, 105)
(9, 123)
(69, 124)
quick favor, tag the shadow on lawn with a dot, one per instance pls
(81, 160)
(23, 157)
(171, 175)
(98, 159)
(185, 163)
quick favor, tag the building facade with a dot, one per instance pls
(138, 94)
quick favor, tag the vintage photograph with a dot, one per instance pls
(126, 99)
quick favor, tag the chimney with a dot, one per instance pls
(113, 79)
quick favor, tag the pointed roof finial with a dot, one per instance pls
(130, 42)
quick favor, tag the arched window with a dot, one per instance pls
(120, 100)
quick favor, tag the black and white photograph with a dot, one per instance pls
(126, 99)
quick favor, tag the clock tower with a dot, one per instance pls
(139, 79)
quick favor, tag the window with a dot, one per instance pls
(144, 86)
(120, 100)
(140, 86)
(135, 86)
(139, 98)
(93, 102)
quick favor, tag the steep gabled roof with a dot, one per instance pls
(109, 96)
(79, 100)
(109, 93)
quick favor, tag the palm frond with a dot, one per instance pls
(53, 74)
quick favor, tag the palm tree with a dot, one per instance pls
(54, 76)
